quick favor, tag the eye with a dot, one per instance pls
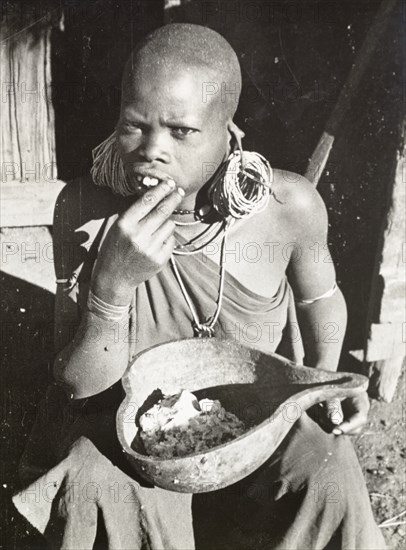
(182, 131)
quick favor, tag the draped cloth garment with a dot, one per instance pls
(80, 493)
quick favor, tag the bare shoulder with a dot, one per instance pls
(297, 193)
(296, 207)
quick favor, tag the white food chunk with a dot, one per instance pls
(150, 182)
(171, 412)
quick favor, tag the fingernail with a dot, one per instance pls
(181, 192)
(171, 183)
(337, 431)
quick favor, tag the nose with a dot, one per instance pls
(154, 147)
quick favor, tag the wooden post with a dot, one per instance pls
(385, 346)
(322, 151)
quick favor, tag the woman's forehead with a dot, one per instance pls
(184, 49)
(184, 91)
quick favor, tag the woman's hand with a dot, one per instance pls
(347, 416)
(138, 245)
(355, 411)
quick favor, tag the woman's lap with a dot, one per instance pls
(309, 494)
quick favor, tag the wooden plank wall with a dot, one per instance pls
(386, 324)
(28, 157)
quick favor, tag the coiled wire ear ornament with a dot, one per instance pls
(242, 186)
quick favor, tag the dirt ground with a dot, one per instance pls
(381, 449)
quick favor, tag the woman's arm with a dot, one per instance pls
(322, 326)
(136, 247)
(91, 353)
(96, 357)
(323, 321)
(311, 274)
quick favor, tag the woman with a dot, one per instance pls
(152, 250)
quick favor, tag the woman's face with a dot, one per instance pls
(168, 128)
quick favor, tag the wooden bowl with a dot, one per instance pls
(266, 391)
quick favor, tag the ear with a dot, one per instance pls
(236, 135)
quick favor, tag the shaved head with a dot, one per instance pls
(180, 91)
(194, 50)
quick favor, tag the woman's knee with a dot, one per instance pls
(315, 458)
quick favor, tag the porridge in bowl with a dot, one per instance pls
(180, 424)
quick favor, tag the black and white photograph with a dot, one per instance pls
(203, 275)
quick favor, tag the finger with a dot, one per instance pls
(334, 411)
(141, 207)
(351, 426)
(338, 431)
(166, 249)
(154, 219)
(163, 233)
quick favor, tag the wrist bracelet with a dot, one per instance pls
(106, 311)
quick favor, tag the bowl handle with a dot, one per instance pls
(348, 385)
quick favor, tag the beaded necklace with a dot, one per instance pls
(196, 244)
(205, 329)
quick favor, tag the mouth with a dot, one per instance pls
(149, 179)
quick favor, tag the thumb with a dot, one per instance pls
(334, 411)
(352, 426)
